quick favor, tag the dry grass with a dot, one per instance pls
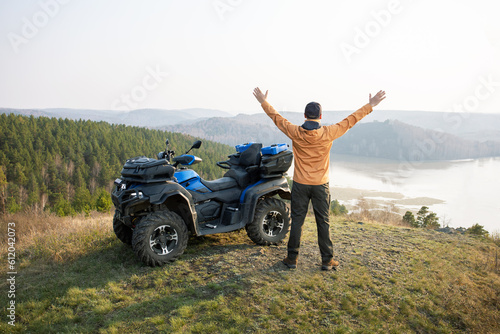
(369, 211)
(52, 238)
(75, 276)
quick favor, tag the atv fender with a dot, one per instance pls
(178, 200)
(265, 187)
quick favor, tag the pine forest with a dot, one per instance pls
(68, 166)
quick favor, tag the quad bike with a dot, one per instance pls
(160, 201)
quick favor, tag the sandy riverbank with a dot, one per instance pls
(348, 197)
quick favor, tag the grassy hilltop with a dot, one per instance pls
(74, 276)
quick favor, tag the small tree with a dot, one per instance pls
(103, 202)
(337, 209)
(409, 219)
(82, 201)
(421, 214)
(431, 221)
(425, 219)
(63, 208)
(477, 229)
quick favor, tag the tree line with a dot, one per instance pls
(68, 166)
(396, 140)
(391, 139)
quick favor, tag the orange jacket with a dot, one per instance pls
(311, 148)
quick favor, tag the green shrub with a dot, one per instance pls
(477, 229)
(337, 209)
(103, 202)
(425, 219)
(63, 208)
(409, 219)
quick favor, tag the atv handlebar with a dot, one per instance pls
(169, 154)
(224, 164)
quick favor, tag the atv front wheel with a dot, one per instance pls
(159, 238)
(122, 231)
(271, 222)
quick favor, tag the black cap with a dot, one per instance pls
(313, 110)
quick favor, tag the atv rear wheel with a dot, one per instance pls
(159, 238)
(271, 222)
(122, 231)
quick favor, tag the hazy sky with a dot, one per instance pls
(441, 55)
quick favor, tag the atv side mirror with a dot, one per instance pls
(197, 144)
(167, 142)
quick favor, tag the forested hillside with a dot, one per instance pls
(391, 139)
(69, 166)
(399, 141)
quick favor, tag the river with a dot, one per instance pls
(461, 193)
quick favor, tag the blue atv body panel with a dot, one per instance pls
(190, 180)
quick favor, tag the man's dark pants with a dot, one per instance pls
(319, 195)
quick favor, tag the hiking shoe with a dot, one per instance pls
(291, 264)
(329, 265)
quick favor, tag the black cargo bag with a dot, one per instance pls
(276, 164)
(146, 170)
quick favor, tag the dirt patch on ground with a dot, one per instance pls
(379, 248)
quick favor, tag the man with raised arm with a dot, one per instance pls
(311, 149)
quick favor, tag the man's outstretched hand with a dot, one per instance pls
(259, 95)
(377, 98)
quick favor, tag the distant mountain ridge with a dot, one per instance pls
(391, 139)
(385, 134)
(396, 140)
(481, 127)
(140, 117)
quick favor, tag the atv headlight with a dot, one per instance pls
(137, 194)
(120, 185)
